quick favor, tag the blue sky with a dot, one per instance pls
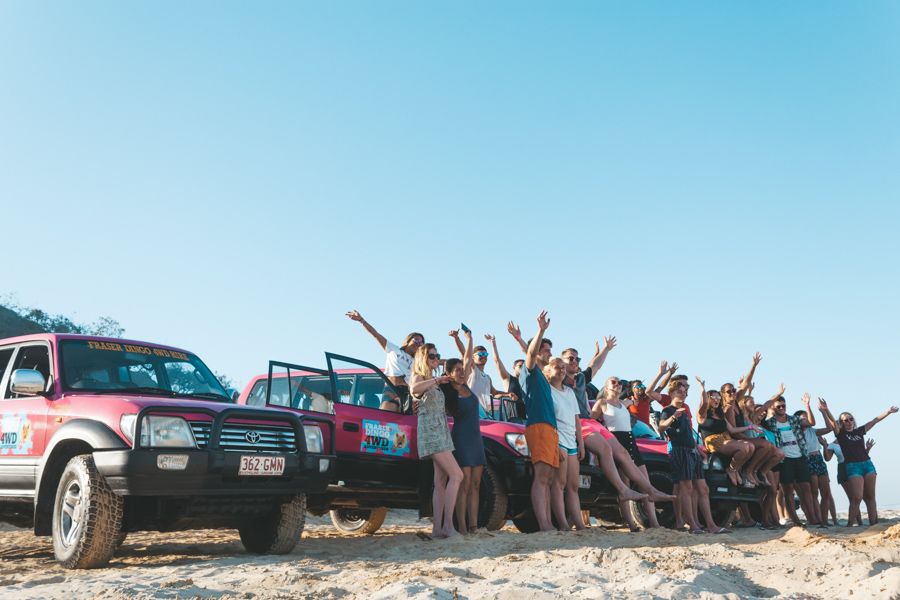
(703, 180)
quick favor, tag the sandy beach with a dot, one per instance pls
(610, 563)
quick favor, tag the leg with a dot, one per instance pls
(437, 500)
(462, 500)
(557, 493)
(573, 502)
(856, 485)
(810, 508)
(454, 479)
(596, 444)
(789, 506)
(825, 495)
(474, 496)
(679, 516)
(869, 497)
(686, 499)
(740, 452)
(831, 507)
(703, 505)
(540, 494)
(649, 507)
(770, 503)
(626, 512)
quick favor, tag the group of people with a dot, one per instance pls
(762, 444)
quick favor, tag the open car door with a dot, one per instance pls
(304, 390)
(376, 439)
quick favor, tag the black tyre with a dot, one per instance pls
(665, 511)
(527, 523)
(120, 539)
(87, 516)
(356, 521)
(722, 512)
(279, 531)
(492, 501)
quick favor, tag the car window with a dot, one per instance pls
(257, 396)
(30, 357)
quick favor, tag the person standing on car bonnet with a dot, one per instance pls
(398, 363)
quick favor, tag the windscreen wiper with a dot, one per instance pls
(209, 395)
(135, 390)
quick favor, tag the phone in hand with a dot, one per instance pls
(464, 328)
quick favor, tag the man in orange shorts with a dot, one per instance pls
(540, 427)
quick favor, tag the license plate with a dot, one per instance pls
(584, 481)
(266, 466)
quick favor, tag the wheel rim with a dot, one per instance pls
(70, 513)
(354, 517)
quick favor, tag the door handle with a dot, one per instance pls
(347, 426)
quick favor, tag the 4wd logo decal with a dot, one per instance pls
(391, 439)
(16, 434)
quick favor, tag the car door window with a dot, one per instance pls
(295, 386)
(371, 389)
(30, 357)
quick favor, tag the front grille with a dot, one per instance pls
(270, 438)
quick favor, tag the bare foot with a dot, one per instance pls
(630, 494)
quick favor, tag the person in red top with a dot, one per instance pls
(641, 398)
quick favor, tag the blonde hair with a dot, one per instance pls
(603, 392)
(420, 361)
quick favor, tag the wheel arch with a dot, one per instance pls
(78, 436)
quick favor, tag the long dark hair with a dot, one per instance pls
(451, 395)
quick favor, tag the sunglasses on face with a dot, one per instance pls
(779, 407)
(727, 391)
(432, 356)
(482, 354)
(616, 383)
(571, 359)
(850, 420)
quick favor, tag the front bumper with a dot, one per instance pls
(208, 472)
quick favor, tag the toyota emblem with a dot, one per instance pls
(252, 437)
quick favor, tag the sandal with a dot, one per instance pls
(423, 536)
(697, 531)
(722, 530)
(733, 476)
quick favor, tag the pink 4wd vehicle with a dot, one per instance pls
(100, 437)
(377, 457)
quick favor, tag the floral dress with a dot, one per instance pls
(432, 431)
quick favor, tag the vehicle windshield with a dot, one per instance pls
(98, 366)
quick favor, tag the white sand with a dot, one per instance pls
(795, 563)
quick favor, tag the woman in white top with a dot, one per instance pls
(564, 487)
(616, 418)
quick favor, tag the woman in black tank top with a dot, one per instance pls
(716, 432)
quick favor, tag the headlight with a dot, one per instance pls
(166, 432)
(126, 424)
(517, 442)
(313, 439)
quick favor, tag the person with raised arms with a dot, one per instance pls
(540, 426)
(861, 474)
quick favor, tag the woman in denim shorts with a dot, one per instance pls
(861, 472)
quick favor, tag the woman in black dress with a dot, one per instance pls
(462, 405)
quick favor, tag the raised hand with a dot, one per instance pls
(893, 409)
(673, 368)
(823, 406)
(701, 382)
(543, 321)
(869, 443)
(806, 399)
(354, 315)
(514, 330)
(468, 334)
(663, 367)
(490, 338)
(756, 358)
(780, 390)
(610, 342)
(454, 333)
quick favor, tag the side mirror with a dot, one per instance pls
(233, 394)
(27, 382)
